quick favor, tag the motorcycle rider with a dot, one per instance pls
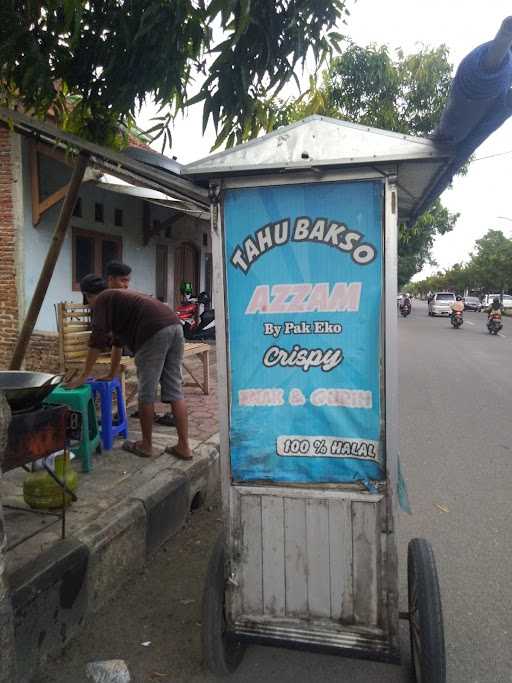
(495, 307)
(494, 315)
(457, 306)
(405, 302)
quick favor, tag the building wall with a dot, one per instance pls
(43, 352)
(8, 254)
(141, 258)
(23, 247)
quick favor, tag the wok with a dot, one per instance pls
(24, 390)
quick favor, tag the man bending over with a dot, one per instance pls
(152, 331)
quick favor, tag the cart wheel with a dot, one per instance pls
(425, 614)
(222, 654)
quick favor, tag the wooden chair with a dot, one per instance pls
(74, 327)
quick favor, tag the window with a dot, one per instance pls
(77, 211)
(118, 217)
(92, 251)
(98, 213)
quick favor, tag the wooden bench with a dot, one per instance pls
(203, 351)
(74, 326)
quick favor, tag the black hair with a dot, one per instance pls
(117, 269)
(92, 284)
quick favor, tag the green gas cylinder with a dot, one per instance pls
(41, 492)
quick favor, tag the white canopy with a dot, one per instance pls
(112, 184)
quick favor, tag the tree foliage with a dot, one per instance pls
(489, 269)
(401, 93)
(110, 55)
(406, 94)
(491, 264)
(415, 242)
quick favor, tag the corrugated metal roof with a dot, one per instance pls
(319, 142)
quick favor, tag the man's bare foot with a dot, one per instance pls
(182, 455)
(139, 448)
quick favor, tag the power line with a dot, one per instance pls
(491, 156)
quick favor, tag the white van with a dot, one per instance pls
(441, 303)
(488, 299)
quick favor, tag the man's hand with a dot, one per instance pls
(108, 377)
(75, 382)
(86, 372)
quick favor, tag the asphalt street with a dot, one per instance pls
(456, 453)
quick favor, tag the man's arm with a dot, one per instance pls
(90, 361)
(115, 360)
(115, 363)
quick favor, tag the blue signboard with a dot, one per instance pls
(304, 292)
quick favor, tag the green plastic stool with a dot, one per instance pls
(80, 400)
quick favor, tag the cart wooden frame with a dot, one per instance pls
(283, 581)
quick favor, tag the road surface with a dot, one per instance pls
(456, 451)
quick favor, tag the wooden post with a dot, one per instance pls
(50, 262)
(206, 372)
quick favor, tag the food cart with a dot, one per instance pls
(304, 229)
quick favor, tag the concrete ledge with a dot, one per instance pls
(203, 473)
(49, 600)
(53, 594)
(117, 544)
(166, 503)
(7, 648)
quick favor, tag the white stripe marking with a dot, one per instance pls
(470, 323)
(501, 335)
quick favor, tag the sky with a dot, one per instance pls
(483, 197)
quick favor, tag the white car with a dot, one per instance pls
(488, 299)
(441, 303)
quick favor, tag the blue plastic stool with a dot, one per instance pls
(110, 429)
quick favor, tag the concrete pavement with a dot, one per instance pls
(456, 452)
(127, 507)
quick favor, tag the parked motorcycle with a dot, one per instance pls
(456, 319)
(196, 327)
(494, 323)
(205, 328)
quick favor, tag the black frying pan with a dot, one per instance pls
(24, 390)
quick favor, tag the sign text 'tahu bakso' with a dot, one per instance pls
(324, 230)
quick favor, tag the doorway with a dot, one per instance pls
(186, 268)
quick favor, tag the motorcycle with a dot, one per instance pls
(405, 309)
(196, 327)
(456, 319)
(494, 323)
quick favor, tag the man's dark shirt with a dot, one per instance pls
(126, 318)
